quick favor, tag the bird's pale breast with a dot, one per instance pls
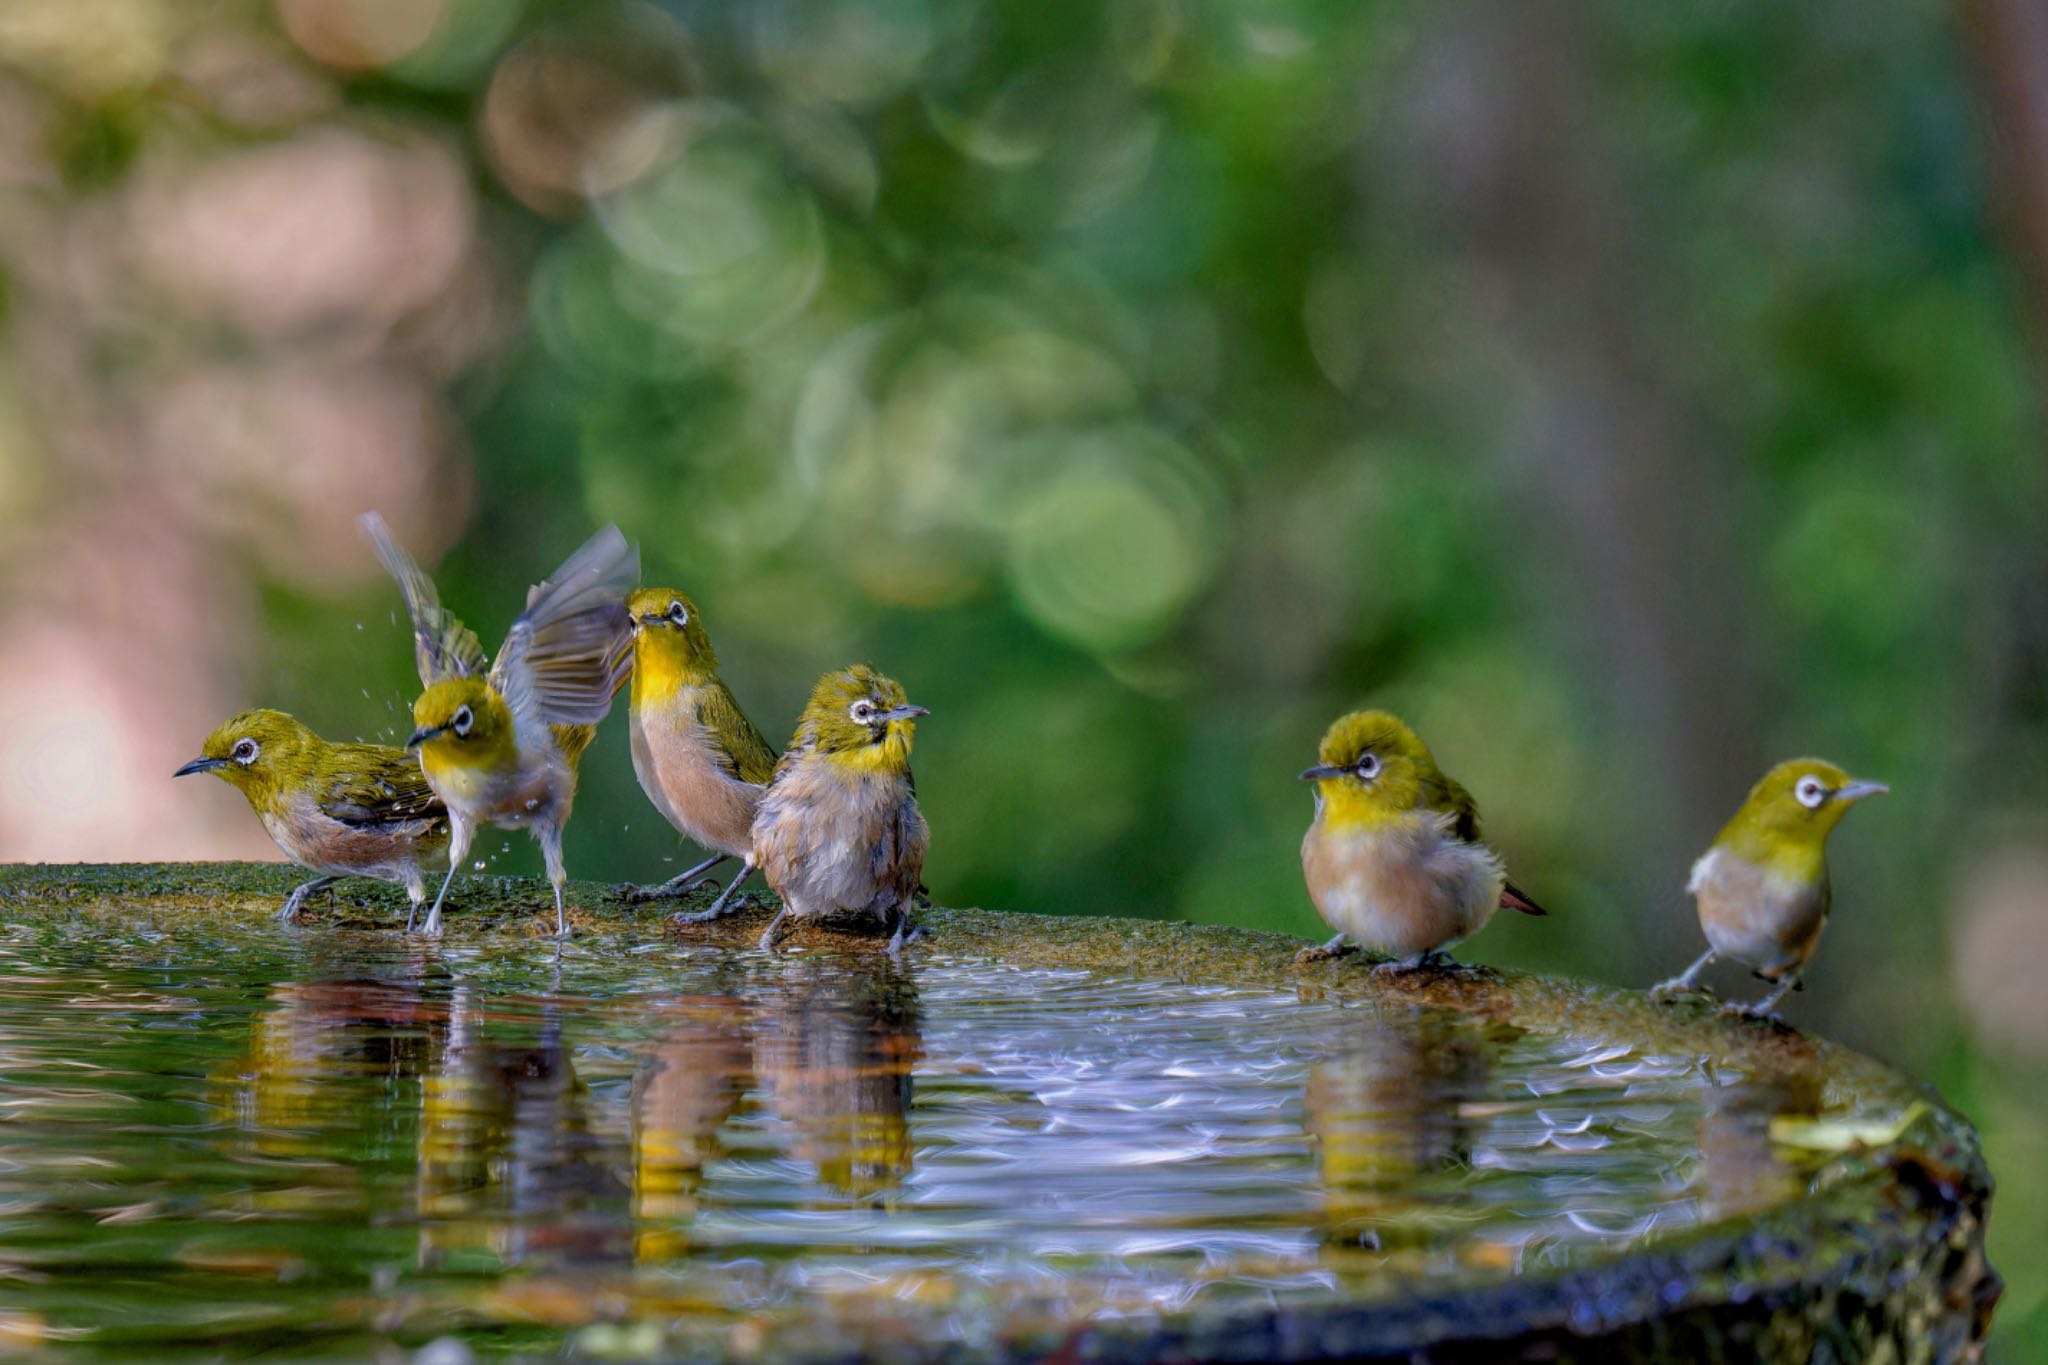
(679, 767)
(1404, 887)
(1756, 917)
(827, 840)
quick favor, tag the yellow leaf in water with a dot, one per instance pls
(1842, 1135)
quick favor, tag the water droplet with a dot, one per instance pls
(359, 625)
(479, 864)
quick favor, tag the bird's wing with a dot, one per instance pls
(569, 650)
(1443, 793)
(442, 645)
(367, 786)
(741, 748)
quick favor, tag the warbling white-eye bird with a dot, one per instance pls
(340, 810)
(699, 759)
(501, 747)
(1762, 889)
(839, 828)
(1393, 858)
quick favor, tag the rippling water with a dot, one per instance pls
(309, 1144)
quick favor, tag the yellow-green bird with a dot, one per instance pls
(1393, 858)
(500, 745)
(699, 759)
(339, 810)
(1762, 889)
(838, 828)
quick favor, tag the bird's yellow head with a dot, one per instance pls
(1785, 822)
(1370, 767)
(671, 648)
(860, 719)
(262, 753)
(462, 723)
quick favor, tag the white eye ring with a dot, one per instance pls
(463, 720)
(678, 613)
(245, 751)
(862, 711)
(1811, 792)
(1368, 766)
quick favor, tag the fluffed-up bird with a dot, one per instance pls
(699, 759)
(499, 743)
(1393, 858)
(1762, 889)
(839, 828)
(338, 810)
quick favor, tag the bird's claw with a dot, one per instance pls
(1323, 953)
(1404, 965)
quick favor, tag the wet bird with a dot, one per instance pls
(339, 810)
(699, 759)
(500, 745)
(1762, 889)
(839, 828)
(1393, 858)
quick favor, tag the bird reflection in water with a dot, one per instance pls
(322, 1065)
(833, 1053)
(1392, 1114)
(510, 1161)
(1741, 1171)
(689, 1083)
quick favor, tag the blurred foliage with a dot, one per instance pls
(1146, 382)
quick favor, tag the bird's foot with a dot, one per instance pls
(1325, 952)
(732, 907)
(1418, 963)
(905, 935)
(668, 890)
(1666, 991)
(1762, 1011)
(432, 928)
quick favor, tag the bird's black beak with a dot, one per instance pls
(200, 765)
(1320, 771)
(904, 713)
(423, 734)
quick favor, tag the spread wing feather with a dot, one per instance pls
(442, 646)
(570, 650)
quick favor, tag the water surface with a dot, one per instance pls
(330, 1144)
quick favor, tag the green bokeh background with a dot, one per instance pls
(1629, 395)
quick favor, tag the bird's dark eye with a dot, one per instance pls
(678, 613)
(862, 712)
(245, 751)
(1368, 766)
(463, 720)
(1811, 792)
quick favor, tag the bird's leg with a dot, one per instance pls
(674, 886)
(550, 835)
(718, 907)
(296, 901)
(1336, 947)
(1428, 957)
(1767, 1008)
(768, 935)
(458, 848)
(1687, 980)
(904, 932)
(415, 892)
